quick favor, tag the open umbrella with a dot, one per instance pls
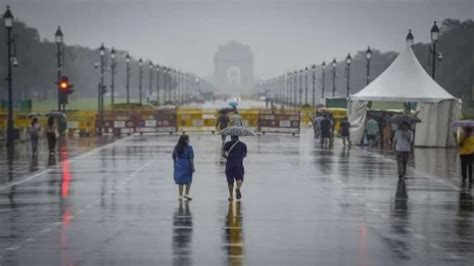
(399, 119)
(31, 115)
(56, 114)
(463, 123)
(237, 131)
(233, 104)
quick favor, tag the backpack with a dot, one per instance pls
(223, 122)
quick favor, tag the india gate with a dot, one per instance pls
(234, 68)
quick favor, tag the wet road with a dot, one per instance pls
(302, 205)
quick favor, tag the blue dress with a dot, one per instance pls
(183, 171)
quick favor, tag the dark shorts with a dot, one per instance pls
(234, 174)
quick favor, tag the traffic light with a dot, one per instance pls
(65, 86)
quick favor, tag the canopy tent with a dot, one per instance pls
(405, 80)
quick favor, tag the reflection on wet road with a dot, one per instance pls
(302, 205)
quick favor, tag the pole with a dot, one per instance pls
(58, 57)
(140, 81)
(128, 82)
(368, 72)
(101, 93)
(348, 80)
(306, 87)
(314, 87)
(323, 83)
(150, 85)
(10, 123)
(433, 67)
(157, 86)
(301, 88)
(295, 90)
(333, 81)
(112, 82)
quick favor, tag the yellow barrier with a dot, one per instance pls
(81, 122)
(190, 119)
(250, 117)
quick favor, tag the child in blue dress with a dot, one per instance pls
(183, 160)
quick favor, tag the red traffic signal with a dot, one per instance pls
(65, 86)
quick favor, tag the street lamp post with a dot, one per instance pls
(323, 79)
(101, 88)
(157, 85)
(306, 85)
(295, 88)
(59, 43)
(313, 72)
(334, 63)
(8, 22)
(434, 39)
(127, 60)
(140, 79)
(348, 78)
(112, 81)
(301, 87)
(150, 66)
(368, 57)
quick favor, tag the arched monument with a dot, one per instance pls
(234, 68)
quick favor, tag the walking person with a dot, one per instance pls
(372, 131)
(34, 135)
(386, 132)
(466, 153)
(345, 132)
(234, 151)
(326, 127)
(183, 161)
(221, 123)
(317, 125)
(402, 143)
(235, 119)
(52, 135)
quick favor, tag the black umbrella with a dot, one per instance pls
(399, 119)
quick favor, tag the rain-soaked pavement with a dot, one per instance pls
(302, 205)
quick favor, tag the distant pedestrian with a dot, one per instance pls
(345, 132)
(235, 151)
(34, 135)
(317, 125)
(235, 119)
(386, 132)
(221, 123)
(372, 131)
(52, 135)
(402, 143)
(466, 153)
(183, 161)
(326, 127)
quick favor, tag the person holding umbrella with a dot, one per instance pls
(222, 122)
(234, 151)
(466, 153)
(402, 142)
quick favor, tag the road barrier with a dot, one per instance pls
(81, 123)
(156, 121)
(279, 122)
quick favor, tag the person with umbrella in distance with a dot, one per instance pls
(235, 151)
(222, 122)
(466, 153)
(402, 142)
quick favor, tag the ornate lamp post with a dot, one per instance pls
(368, 57)
(8, 22)
(150, 67)
(295, 88)
(306, 85)
(157, 84)
(334, 64)
(313, 72)
(434, 40)
(140, 79)
(59, 43)
(101, 88)
(323, 74)
(127, 60)
(112, 81)
(348, 67)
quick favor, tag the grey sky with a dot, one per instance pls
(282, 34)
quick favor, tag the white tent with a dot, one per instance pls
(405, 80)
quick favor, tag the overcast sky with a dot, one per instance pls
(282, 34)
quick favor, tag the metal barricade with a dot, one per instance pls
(190, 119)
(279, 122)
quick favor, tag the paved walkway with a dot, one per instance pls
(302, 205)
